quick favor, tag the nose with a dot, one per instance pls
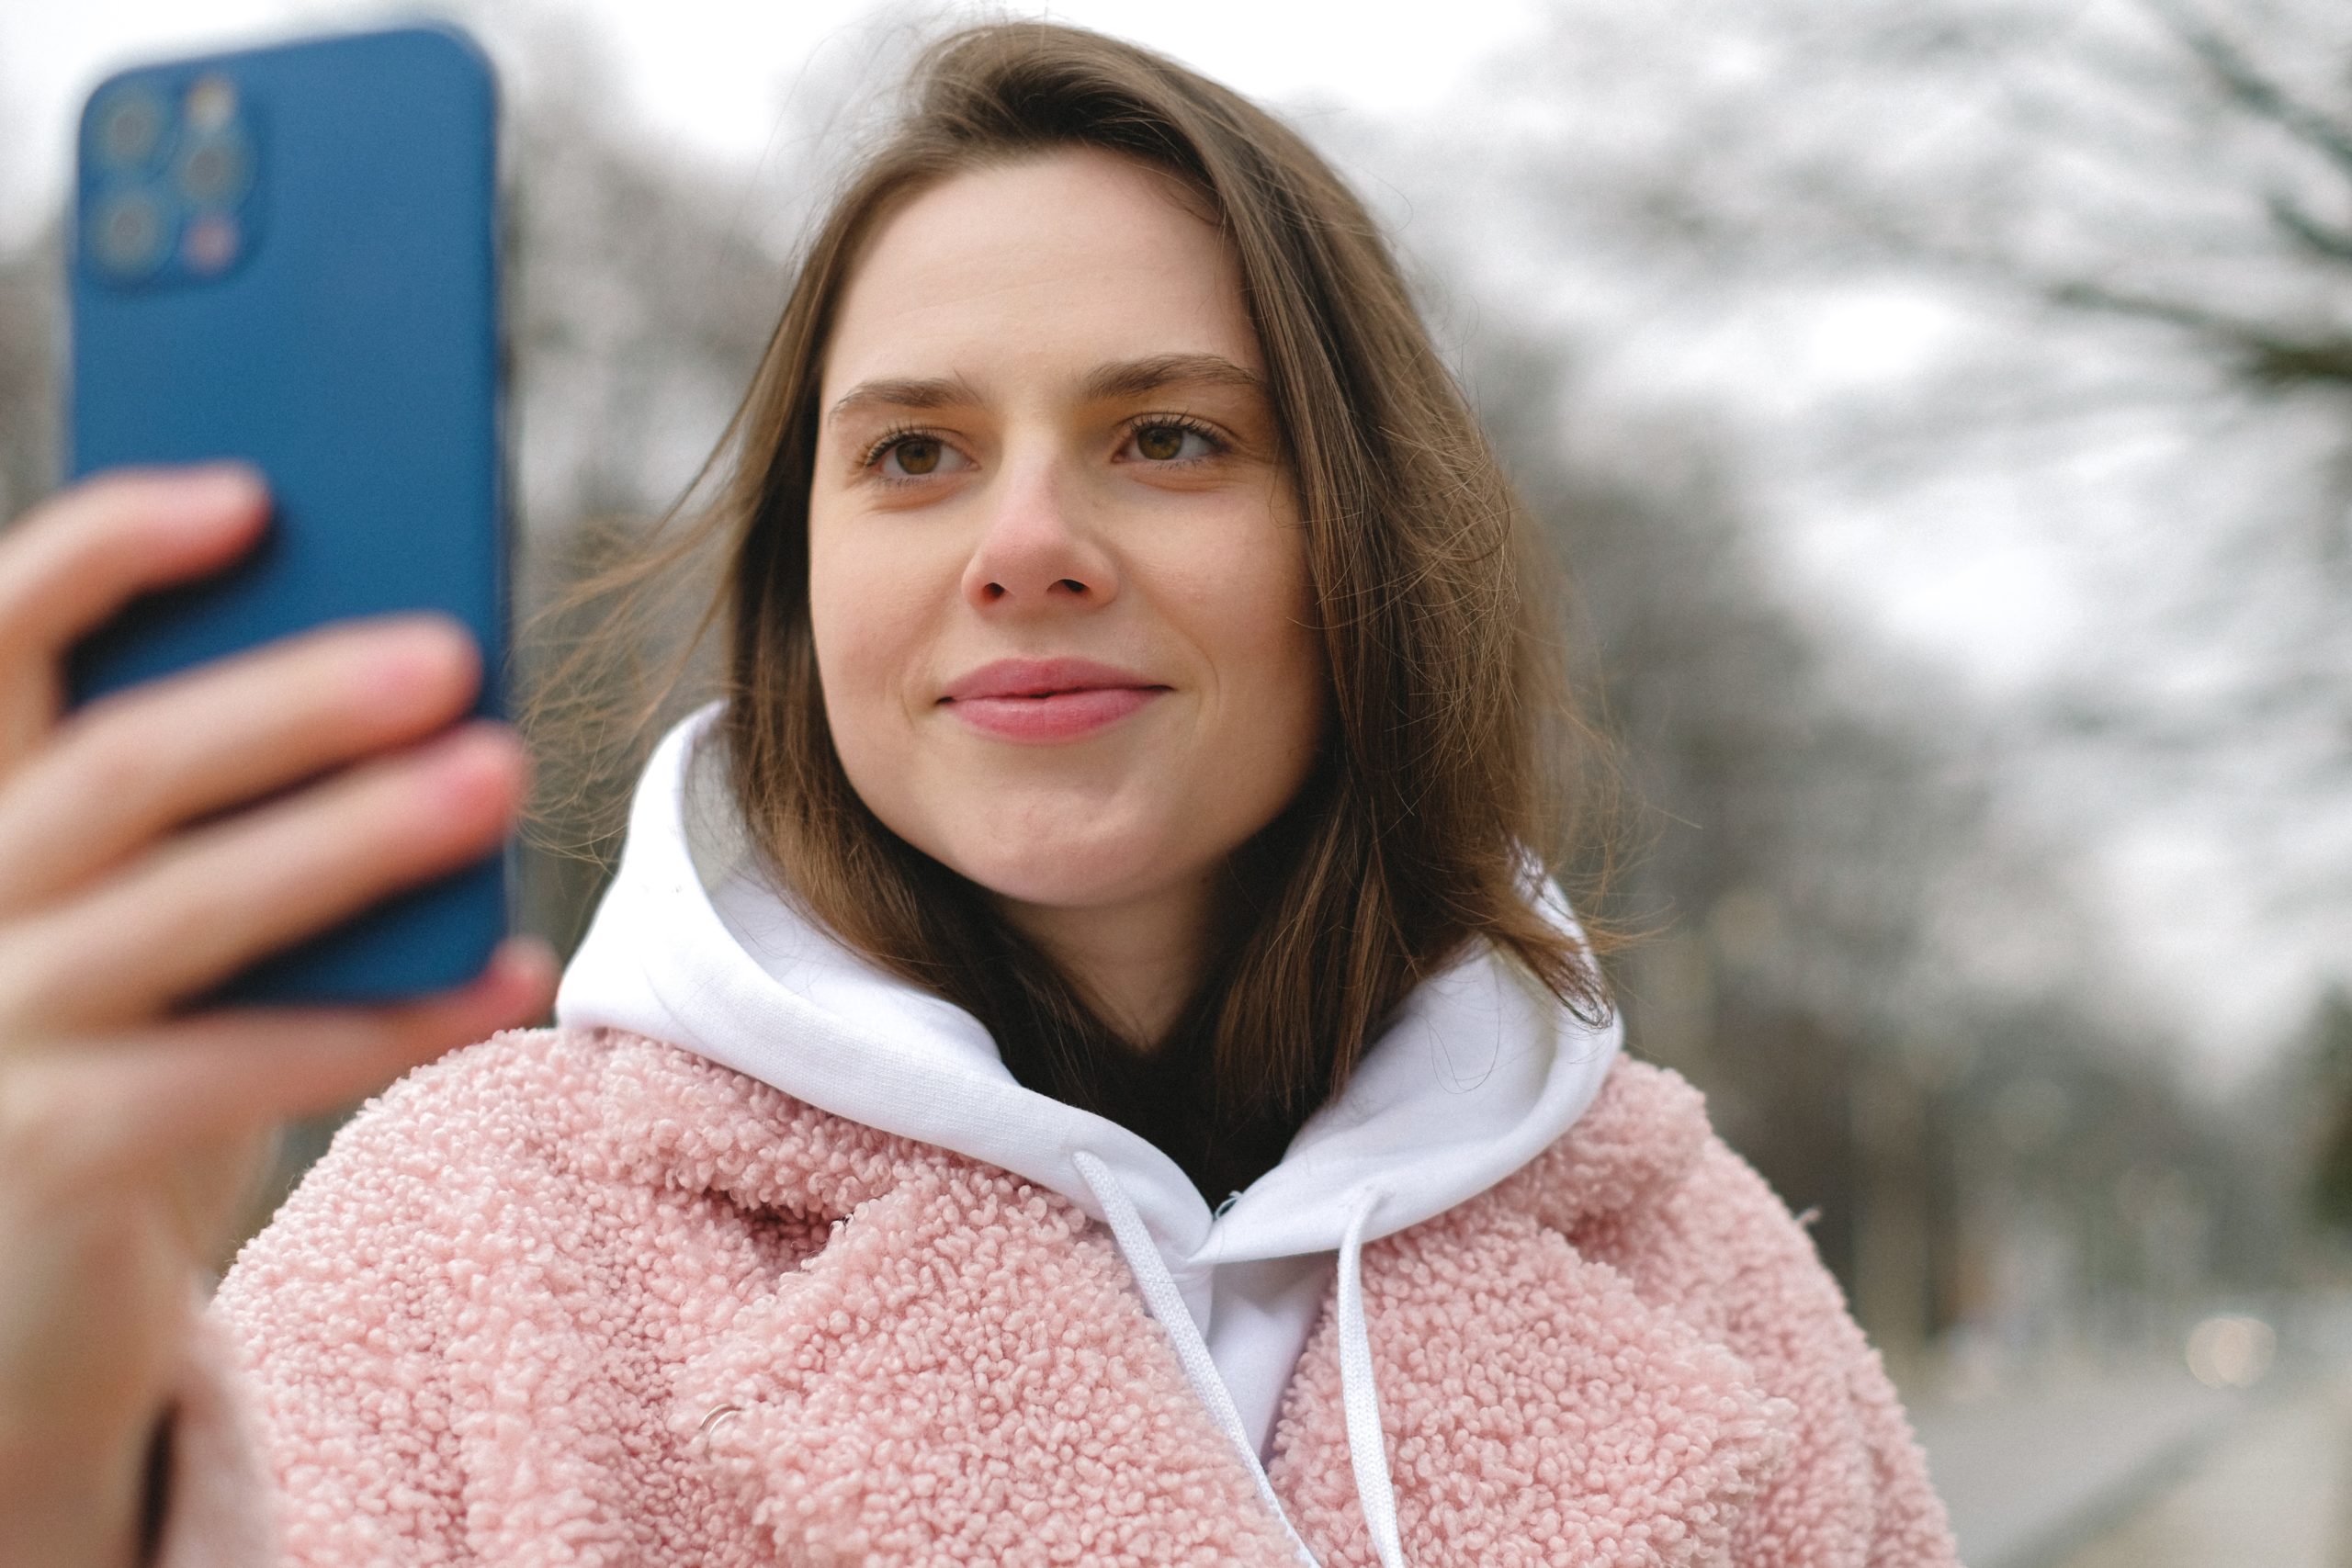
(1035, 549)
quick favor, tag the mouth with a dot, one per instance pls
(1047, 699)
(1041, 678)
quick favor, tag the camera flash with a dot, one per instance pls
(209, 245)
(211, 103)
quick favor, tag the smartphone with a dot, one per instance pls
(288, 256)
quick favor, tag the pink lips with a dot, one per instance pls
(1047, 699)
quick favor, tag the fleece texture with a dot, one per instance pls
(573, 1298)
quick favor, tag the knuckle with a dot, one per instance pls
(45, 541)
(40, 1120)
(109, 750)
(34, 987)
(95, 532)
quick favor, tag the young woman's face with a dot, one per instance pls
(1057, 572)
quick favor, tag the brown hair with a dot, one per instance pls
(1447, 764)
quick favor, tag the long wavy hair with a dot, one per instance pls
(1446, 771)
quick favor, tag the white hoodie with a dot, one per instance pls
(1479, 1071)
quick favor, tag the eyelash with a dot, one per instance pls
(898, 433)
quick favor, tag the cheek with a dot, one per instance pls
(868, 630)
(1257, 625)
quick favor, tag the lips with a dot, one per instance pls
(1047, 699)
(1043, 678)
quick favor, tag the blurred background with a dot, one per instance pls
(1945, 408)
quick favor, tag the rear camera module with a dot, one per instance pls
(168, 191)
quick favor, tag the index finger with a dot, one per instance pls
(78, 558)
(73, 560)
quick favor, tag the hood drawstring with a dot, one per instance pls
(1367, 1449)
(1167, 1304)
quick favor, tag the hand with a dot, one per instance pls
(130, 1132)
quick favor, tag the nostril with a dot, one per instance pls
(1073, 584)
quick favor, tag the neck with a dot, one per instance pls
(1138, 962)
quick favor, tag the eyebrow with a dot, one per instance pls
(1132, 377)
(1116, 378)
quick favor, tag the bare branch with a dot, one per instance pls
(2322, 239)
(2263, 355)
(2249, 85)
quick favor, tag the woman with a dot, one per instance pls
(1079, 1063)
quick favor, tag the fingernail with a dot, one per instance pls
(206, 489)
(420, 653)
(527, 957)
(229, 476)
(478, 754)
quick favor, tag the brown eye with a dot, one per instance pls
(917, 456)
(1161, 443)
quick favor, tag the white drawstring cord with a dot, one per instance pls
(1358, 1393)
(1167, 1304)
(1359, 1396)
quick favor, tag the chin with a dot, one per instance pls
(1062, 871)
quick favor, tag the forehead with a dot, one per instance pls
(1066, 260)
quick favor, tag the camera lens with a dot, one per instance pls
(215, 170)
(127, 233)
(128, 127)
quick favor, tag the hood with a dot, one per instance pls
(1477, 1073)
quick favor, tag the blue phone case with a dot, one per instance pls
(288, 256)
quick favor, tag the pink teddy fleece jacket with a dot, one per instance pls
(577, 1297)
